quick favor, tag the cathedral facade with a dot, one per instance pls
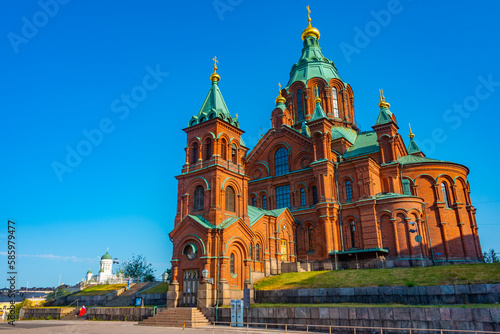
(314, 193)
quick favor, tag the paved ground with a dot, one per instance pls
(107, 327)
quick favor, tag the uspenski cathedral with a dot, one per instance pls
(315, 193)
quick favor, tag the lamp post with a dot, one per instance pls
(204, 274)
(164, 276)
(418, 239)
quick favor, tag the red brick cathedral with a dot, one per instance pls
(315, 192)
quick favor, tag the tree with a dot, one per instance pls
(138, 267)
(491, 256)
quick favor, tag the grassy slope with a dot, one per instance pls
(437, 275)
(99, 290)
(159, 288)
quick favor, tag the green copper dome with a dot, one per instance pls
(312, 64)
(214, 106)
(106, 256)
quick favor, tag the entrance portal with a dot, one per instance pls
(190, 283)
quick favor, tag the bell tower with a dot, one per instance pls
(213, 186)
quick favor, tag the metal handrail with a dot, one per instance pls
(308, 328)
(73, 302)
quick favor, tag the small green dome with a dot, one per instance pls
(106, 256)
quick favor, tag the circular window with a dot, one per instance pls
(190, 251)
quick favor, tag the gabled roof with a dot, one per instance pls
(256, 213)
(214, 106)
(202, 221)
(366, 143)
(341, 132)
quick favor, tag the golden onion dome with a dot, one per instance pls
(215, 76)
(411, 135)
(382, 103)
(280, 98)
(310, 30)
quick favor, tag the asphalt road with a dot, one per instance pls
(107, 327)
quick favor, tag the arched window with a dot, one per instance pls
(264, 202)
(446, 198)
(250, 252)
(352, 226)
(234, 157)
(223, 149)
(194, 153)
(310, 236)
(281, 161)
(208, 148)
(202, 119)
(230, 199)
(232, 263)
(348, 190)
(315, 194)
(212, 115)
(300, 103)
(257, 252)
(254, 201)
(335, 103)
(302, 197)
(199, 198)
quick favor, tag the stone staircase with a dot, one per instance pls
(127, 298)
(73, 315)
(177, 317)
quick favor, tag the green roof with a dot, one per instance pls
(312, 64)
(384, 116)
(214, 106)
(318, 112)
(202, 221)
(413, 159)
(256, 213)
(106, 256)
(366, 143)
(413, 147)
(341, 132)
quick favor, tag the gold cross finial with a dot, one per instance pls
(261, 132)
(107, 249)
(236, 116)
(215, 76)
(316, 94)
(411, 133)
(279, 84)
(381, 91)
(308, 13)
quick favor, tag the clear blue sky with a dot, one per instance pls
(70, 72)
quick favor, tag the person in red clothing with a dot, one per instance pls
(82, 311)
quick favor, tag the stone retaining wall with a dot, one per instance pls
(487, 319)
(418, 295)
(153, 298)
(44, 313)
(119, 313)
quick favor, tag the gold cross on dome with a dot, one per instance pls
(308, 13)
(215, 62)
